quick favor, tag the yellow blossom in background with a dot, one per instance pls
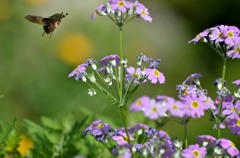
(6, 9)
(75, 48)
(24, 145)
(37, 2)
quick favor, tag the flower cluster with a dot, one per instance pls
(115, 79)
(220, 146)
(99, 130)
(148, 142)
(224, 39)
(123, 11)
(102, 79)
(193, 101)
(231, 114)
(144, 140)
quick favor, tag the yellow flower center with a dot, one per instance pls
(154, 109)
(237, 49)
(196, 153)
(135, 75)
(175, 107)
(195, 104)
(207, 100)
(220, 35)
(233, 109)
(120, 3)
(125, 138)
(157, 73)
(232, 144)
(238, 123)
(139, 103)
(198, 35)
(144, 13)
(230, 34)
(99, 126)
(185, 93)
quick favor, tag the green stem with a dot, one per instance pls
(185, 136)
(221, 99)
(120, 44)
(121, 67)
(124, 117)
(122, 101)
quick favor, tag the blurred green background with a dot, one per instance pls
(34, 69)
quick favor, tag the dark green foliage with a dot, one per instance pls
(9, 148)
(55, 139)
(5, 130)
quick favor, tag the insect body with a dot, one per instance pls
(49, 24)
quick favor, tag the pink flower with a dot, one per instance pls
(122, 139)
(140, 103)
(155, 110)
(121, 5)
(155, 76)
(194, 151)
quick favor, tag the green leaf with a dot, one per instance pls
(6, 129)
(33, 127)
(50, 123)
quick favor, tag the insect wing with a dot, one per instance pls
(58, 16)
(35, 19)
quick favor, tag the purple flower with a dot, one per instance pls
(99, 130)
(79, 73)
(121, 5)
(230, 109)
(218, 83)
(207, 140)
(150, 132)
(229, 147)
(122, 139)
(194, 151)
(176, 108)
(126, 155)
(142, 58)
(234, 52)
(200, 36)
(139, 147)
(217, 33)
(194, 107)
(101, 10)
(192, 79)
(92, 63)
(234, 124)
(158, 144)
(121, 152)
(164, 99)
(227, 35)
(154, 63)
(135, 75)
(143, 12)
(140, 103)
(154, 110)
(111, 59)
(237, 83)
(224, 92)
(155, 76)
(232, 36)
(187, 91)
(137, 127)
(209, 102)
(165, 143)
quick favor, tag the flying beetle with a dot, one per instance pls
(49, 24)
